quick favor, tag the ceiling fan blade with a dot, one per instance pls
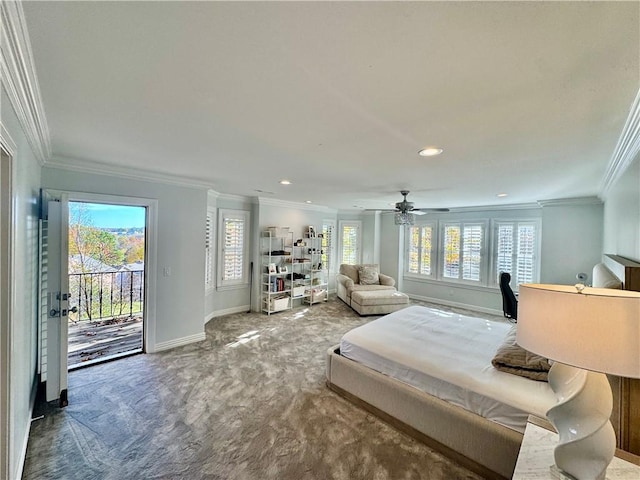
(382, 210)
(416, 211)
(425, 210)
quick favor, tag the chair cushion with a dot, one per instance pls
(350, 271)
(368, 275)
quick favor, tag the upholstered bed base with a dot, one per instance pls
(483, 446)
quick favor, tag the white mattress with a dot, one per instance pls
(449, 356)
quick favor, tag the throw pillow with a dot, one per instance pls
(368, 275)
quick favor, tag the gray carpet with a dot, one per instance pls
(249, 402)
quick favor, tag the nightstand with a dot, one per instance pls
(536, 455)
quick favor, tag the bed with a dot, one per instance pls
(463, 412)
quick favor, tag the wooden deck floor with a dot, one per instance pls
(89, 341)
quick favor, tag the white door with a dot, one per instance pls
(57, 297)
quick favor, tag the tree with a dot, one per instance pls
(133, 247)
(90, 248)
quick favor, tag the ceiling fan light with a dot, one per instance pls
(404, 218)
(430, 151)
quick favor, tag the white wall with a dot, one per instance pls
(622, 215)
(237, 299)
(180, 246)
(23, 353)
(571, 241)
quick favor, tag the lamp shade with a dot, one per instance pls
(597, 329)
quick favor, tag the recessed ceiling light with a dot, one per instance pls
(308, 201)
(285, 182)
(501, 195)
(430, 152)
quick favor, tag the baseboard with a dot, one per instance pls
(179, 342)
(227, 311)
(449, 303)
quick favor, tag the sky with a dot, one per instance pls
(111, 216)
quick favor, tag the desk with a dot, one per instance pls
(536, 455)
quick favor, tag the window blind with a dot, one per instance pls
(233, 250)
(208, 274)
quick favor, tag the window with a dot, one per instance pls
(328, 228)
(463, 251)
(208, 251)
(233, 252)
(516, 246)
(420, 249)
(350, 242)
(462, 244)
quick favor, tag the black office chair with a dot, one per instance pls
(509, 301)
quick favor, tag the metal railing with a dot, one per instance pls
(106, 295)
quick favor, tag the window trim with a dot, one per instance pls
(223, 214)
(353, 223)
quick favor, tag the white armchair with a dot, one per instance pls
(353, 278)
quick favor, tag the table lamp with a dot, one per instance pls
(587, 332)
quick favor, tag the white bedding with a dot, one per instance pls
(449, 356)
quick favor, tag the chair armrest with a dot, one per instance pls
(386, 280)
(344, 280)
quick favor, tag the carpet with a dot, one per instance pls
(249, 402)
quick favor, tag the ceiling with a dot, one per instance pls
(525, 98)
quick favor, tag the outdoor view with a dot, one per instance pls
(106, 281)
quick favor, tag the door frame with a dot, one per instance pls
(7, 267)
(151, 237)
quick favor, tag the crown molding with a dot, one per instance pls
(6, 142)
(91, 166)
(272, 202)
(570, 202)
(232, 197)
(212, 194)
(19, 78)
(626, 150)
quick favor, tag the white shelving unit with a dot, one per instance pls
(309, 275)
(276, 275)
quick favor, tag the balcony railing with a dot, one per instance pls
(106, 295)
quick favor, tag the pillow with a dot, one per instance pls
(368, 275)
(512, 358)
(605, 278)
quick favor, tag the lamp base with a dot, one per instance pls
(587, 441)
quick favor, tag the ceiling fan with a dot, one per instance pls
(405, 210)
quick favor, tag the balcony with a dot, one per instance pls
(108, 321)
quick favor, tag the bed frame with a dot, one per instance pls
(482, 446)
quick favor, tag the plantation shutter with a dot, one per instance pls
(425, 249)
(233, 248)
(327, 246)
(471, 253)
(350, 242)
(451, 258)
(208, 274)
(414, 250)
(526, 253)
(516, 251)
(505, 250)
(419, 249)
